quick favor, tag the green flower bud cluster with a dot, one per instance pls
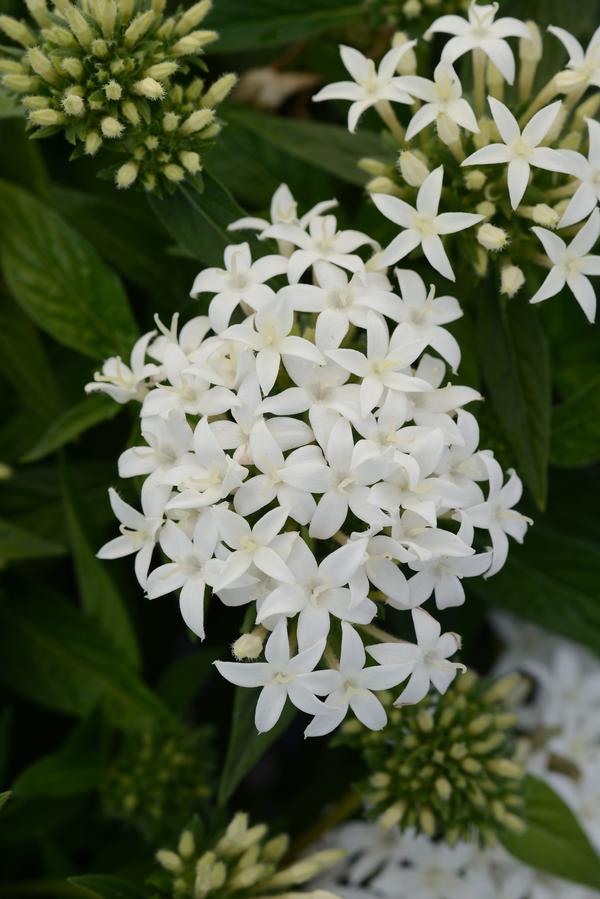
(447, 766)
(117, 73)
(242, 862)
(159, 780)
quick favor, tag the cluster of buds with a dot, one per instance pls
(159, 778)
(518, 164)
(119, 73)
(447, 766)
(243, 862)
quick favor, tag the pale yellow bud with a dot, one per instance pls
(480, 724)
(219, 90)
(427, 822)
(248, 646)
(568, 81)
(187, 844)
(60, 36)
(35, 102)
(379, 780)
(78, 25)
(197, 121)
(73, 104)
(412, 9)
(12, 67)
(503, 689)
(173, 172)
(247, 877)
(504, 768)
(126, 9)
(22, 84)
(161, 71)
(149, 88)
(106, 15)
(113, 90)
(72, 66)
(443, 788)
(47, 117)
(492, 238)
(17, 31)
(194, 42)
(475, 180)
(6, 472)
(42, 66)
(111, 127)
(193, 16)
(383, 185)
(39, 11)
(512, 280)
(486, 208)
(130, 112)
(408, 63)
(138, 27)
(93, 142)
(413, 170)
(99, 48)
(373, 166)
(392, 816)
(545, 215)
(168, 860)
(126, 175)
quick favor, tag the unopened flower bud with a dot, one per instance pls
(427, 822)
(383, 185)
(275, 848)
(475, 179)
(486, 208)
(138, 27)
(412, 9)
(486, 134)
(42, 66)
(408, 63)
(568, 81)
(193, 16)
(99, 48)
(111, 127)
(505, 768)
(149, 88)
(197, 121)
(17, 31)
(78, 25)
(161, 71)
(169, 860)
(93, 142)
(39, 11)
(413, 170)
(20, 83)
(72, 66)
(130, 112)
(373, 166)
(248, 646)
(219, 90)
(492, 238)
(126, 175)
(73, 104)
(545, 215)
(392, 815)
(173, 172)
(443, 788)
(47, 117)
(193, 43)
(113, 90)
(187, 844)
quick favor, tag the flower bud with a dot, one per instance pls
(138, 27)
(373, 166)
(568, 81)
(170, 122)
(149, 88)
(93, 142)
(504, 768)
(173, 172)
(193, 16)
(113, 90)
(408, 63)
(187, 845)
(17, 31)
(412, 9)
(42, 66)
(248, 646)
(443, 788)
(383, 185)
(486, 208)
(169, 860)
(126, 175)
(130, 112)
(475, 180)
(413, 170)
(193, 43)
(486, 134)
(46, 117)
(219, 90)
(99, 48)
(197, 121)
(62, 37)
(161, 71)
(545, 215)
(392, 815)
(73, 104)
(111, 127)
(427, 822)
(72, 66)
(78, 25)
(20, 83)
(39, 11)
(492, 238)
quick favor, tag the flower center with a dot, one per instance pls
(425, 226)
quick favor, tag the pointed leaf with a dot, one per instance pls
(576, 427)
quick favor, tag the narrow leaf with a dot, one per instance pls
(106, 887)
(73, 422)
(576, 427)
(18, 544)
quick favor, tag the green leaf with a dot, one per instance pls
(554, 840)
(100, 599)
(4, 797)
(73, 422)
(516, 368)
(51, 653)
(576, 427)
(106, 887)
(198, 221)
(246, 745)
(328, 147)
(59, 280)
(9, 108)
(76, 768)
(184, 678)
(18, 544)
(265, 23)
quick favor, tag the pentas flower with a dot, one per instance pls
(584, 64)
(442, 96)
(423, 225)
(587, 171)
(284, 209)
(303, 456)
(370, 86)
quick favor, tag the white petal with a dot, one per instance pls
(269, 707)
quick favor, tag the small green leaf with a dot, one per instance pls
(516, 368)
(246, 745)
(105, 887)
(576, 427)
(73, 422)
(18, 544)
(58, 279)
(54, 655)
(554, 840)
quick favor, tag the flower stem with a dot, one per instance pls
(389, 118)
(479, 61)
(379, 633)
(343, 809)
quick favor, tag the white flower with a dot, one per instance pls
(427, 662)
(122, 382)
(379, 566)
(571, 264)
(168, 439)
(240, 281)
(284, 210)
(584, 64)
(322, 242)
(188, 570)
(268, 334)
(139, 530)
(481, 31)
(251, 546)
(442, 96)
(521, 150)
(427, 313)
(320, 591)
(587, 171)
(350, 686)
(385, 362)
(370, 85)
(497, 515)
(423, 225)
(185, 389)
(280, 677)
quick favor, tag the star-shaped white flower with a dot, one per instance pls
(370, 85)
(587, 171)
(427, 661)
(571, 264)
(240, 281)
(284, 210)
(521, 150)
(168, 440)
(442, 96)
(122, 382)
(427, 314)
(584, 63)
(423, 225)
(280, 677)
(481, 31)
(251, 546)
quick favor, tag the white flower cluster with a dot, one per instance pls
(289, 470)
(563, 715)
(502, 140)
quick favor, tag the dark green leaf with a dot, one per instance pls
(58, 658)
(21, 160)
(97, 591)
(264, 23)
(107, 887)
(73, 422)
(246, 745)
(17, 544)
(59, 280)
(328, 147)
(554, 840)
(576, 427)
(516, 367)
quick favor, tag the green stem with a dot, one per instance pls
(388, 116)
(479, 62)
(350, 803)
